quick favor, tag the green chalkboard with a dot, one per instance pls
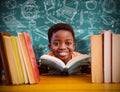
(36, 16)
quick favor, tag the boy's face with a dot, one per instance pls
(62, 45)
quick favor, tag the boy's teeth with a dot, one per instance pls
(63, 53)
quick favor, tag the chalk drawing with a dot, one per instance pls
(81, 17)
(49, 4)
(91, 4)
(108, 6)
(68, 12)
(11, 22)
(42, 31)
(36, 16)
(107, 20)
(53, 19)
(30, 10)
(11, 4)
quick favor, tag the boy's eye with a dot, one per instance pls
(56, 43)
(68, 43)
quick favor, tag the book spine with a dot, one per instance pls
(32, 56)
(4, 62)
(11, 60)
(26, 58)
(22, 62)
(96, 58)
(17, 59)
(116, 58)
(107, 57)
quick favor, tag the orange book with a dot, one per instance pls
(32, 56)
(96, 42)
(4, 62)
(28, 65)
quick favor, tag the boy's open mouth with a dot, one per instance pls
(63, 53)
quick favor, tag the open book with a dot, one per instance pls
(71, 67)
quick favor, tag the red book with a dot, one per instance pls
(32, 56)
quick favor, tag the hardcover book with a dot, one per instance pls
(3, 60)
(11, 59)
(107, 56)
(19, 68)
(32, 56)
(96, 42)
(116, 58)
(26, 59)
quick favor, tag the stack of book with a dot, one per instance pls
(17, 59)
(105, 57)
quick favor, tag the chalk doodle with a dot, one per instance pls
(91, 4)
(49, 5)
(36, 16)
(11, 22)
(30, 10)
(108, 6)
(67, 11)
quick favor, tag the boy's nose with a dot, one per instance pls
(62, 46)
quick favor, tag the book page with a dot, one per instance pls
(52, 62)
(81, 59)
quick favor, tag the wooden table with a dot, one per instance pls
(73, 83)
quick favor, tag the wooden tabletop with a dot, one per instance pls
(73, 83)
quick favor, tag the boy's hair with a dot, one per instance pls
(57, 27)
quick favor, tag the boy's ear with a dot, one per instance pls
(49, 46)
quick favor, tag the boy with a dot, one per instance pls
(62, 42)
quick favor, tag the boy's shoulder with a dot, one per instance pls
(51, 54)
(74, 54)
